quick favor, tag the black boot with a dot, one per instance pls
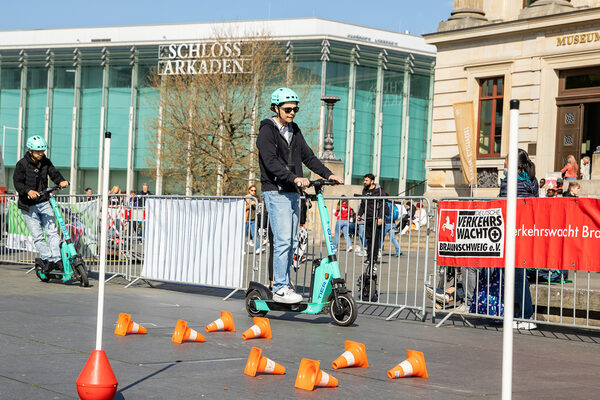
(59, 266)
(48, 266)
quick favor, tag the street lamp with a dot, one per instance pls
(328, 154)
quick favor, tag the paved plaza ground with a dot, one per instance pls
(47, 332)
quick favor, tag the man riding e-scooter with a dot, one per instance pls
(282, 151)
(31, 180)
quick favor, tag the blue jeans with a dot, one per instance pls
(341, 225)
(389, 227)
(251, 225)
(40, 218)
(523, 309)
(361, 235)
(284, 212)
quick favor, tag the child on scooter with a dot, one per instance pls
(31, 180)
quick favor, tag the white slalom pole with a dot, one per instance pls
(509, 254)
(103, 239)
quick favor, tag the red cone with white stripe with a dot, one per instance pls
(259, 363)
(125, 325)
(224, 323)
(260, 329)
(182, 332)
(414, 365)
(309, 376)
(354, 356)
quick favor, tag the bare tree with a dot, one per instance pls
(209, 119)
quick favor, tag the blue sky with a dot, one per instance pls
(417, 17)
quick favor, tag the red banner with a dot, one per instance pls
(555, 233)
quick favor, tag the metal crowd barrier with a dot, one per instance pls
(569, 300)
(399, 280)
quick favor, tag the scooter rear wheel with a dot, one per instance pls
(348, 312)
(39, 275)
(83, 276)
(250, 307)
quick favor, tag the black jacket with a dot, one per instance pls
(373, 208)
(526, 187)
(32, 175)
(281, 163)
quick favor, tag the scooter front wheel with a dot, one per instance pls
(346, 314)
(250, 307)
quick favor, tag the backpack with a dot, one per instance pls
(392, 212)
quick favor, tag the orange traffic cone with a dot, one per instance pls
(261, 328)
(182, 332)
(309, 376)
(225, 323)
(414, 365)
(355, 355)
(259, 363)
(125, 325)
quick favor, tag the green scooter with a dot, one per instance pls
(73, 265)
(327, 287)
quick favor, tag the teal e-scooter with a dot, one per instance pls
(328, 292)
(73, 265)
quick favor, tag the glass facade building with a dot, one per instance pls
(71, 85)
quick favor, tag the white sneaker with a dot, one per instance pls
(287, 296)
(358, 249)
(524, 325)
(258, 251)
(349, 249)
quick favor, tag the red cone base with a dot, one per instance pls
(97, 380)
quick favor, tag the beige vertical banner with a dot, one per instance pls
(466, 138)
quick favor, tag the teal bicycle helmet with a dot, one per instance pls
(37, 143)
(283, 95)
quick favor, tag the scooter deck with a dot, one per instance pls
(302, 307)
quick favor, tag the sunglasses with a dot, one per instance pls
(288, 110)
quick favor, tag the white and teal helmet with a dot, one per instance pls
(37, 143)
(283, 95)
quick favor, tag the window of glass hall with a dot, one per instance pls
(489, 119)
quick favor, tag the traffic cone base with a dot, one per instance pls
(224, 323)
(354, 356)
(182, 332)
(97, 380)
(259, 363)
(414, 365)
(309, 376)
(125, 325)
(260, 329)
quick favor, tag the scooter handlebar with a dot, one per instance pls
(52, 189)
(323, 182)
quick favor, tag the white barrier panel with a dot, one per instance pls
(196, 241)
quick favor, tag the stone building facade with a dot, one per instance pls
(545, 53)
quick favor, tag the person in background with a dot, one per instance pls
(584, 168)
(342, 213)
(389, 221)
(551, 192)
(420, 218)
(251, 216)
(132, 201)
(573, 190)
(570, 170)
(371, 211)
(542, 192)
(559, 187)
(145, 192)
(527, 186)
